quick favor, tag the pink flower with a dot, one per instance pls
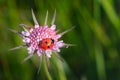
(42, 39)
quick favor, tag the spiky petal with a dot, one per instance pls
(34, 18)
(67, 31)
(53, 19)
(46, 18)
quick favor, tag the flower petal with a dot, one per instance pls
(39, 52)
(36, 26)
(53, 27)
(24, 33)
(34, 18)
(31, 29)
(56, 48)
(26, 40)
(30, 50)
(48, 53)
(60, 44)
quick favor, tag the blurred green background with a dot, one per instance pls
(97, 36)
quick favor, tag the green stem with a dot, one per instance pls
(46, 68)
(60, 68)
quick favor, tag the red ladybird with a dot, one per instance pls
(46, 43)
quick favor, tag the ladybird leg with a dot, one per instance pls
(53, 19)
(39, 64)
(34, 18)
(46, 18)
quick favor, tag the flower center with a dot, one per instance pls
(46, 43)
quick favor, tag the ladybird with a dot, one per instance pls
(46, 43)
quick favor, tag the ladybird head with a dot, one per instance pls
(46, 43)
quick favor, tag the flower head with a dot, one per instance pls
(42, 39)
